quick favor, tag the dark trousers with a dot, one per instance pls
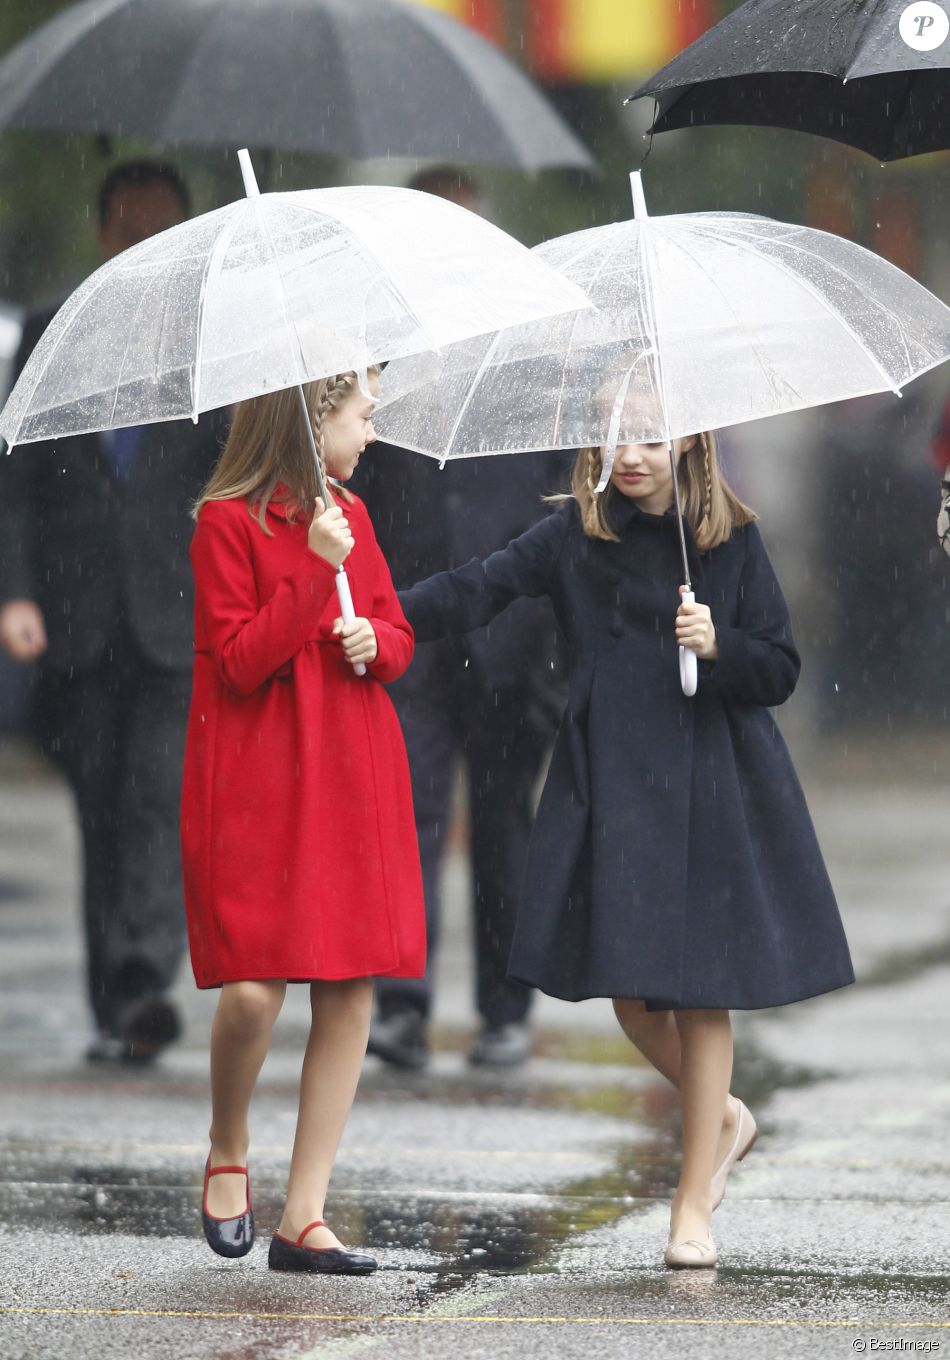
(503, 749)
(118, 733)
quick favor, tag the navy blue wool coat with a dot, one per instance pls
(673, 858)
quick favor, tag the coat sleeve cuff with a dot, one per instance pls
(315, 560)
(394, 650)
(731, 666)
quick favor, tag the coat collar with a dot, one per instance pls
(282, 503)
(284, 506)
(624, 514)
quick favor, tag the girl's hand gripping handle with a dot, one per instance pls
(689, 666)
(347, 611)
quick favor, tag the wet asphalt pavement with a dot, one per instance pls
(518, 1214)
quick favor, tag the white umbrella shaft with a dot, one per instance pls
(689, 669)
(346, 607)
(689, 666)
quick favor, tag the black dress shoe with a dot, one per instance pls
(110, 1049)
(228, 1236)
(501, 1046)
(287, 1255)
(400, 1039)
(147, 1025)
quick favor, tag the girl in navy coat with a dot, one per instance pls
(673, 865)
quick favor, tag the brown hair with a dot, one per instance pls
(710, 506)
(268, 445)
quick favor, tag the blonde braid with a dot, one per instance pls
(592, 506)
(319, 413)
(593, 470)
(707, 478)
(330, 399)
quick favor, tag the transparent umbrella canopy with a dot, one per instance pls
(700, 321)
(268, 292)
(271, 292)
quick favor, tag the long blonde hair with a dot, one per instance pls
(268, 445)
(710, 507)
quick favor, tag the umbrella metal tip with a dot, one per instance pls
(639, 201)
(247, 174)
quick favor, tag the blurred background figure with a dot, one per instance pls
(10, 333)
(884, 657)
(941, 457)
(941, 444)
(484, 701)
(14, 678)
(97, 591)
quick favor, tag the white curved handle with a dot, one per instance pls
(346, 607)
(689, 666)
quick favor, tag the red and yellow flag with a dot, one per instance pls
(588, 41)
(605, 40)
(487, 16)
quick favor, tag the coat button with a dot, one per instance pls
(616, 630)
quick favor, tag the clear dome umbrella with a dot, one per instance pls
(270, 292)
(701, 320)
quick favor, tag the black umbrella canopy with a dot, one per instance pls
(870, 73)
(357, 78)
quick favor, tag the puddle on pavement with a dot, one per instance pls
(453, 1239)
(902, 966)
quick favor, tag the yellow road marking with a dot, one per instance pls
(860, 1324)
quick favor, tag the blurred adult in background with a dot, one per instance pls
(14, 678)
(96, 589)
(480, 700)
(941, 444)
(888, 581)
(941, 456)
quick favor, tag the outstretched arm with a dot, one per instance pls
(394, 639)
(453, 602)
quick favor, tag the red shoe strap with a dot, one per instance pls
(227, 1170)
(317, 1223)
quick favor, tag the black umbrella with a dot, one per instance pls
(871, 73)
(358, 78)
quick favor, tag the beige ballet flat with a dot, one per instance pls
(746, 1134)
(691, 1254)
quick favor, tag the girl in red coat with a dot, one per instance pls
(298, 838)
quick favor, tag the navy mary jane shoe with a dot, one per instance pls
(287, 1255)
(228, 1236)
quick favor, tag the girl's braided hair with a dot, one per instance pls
(267, 446)
(710, 506)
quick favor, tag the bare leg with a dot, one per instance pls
(657, 1036)
(240, 1037)
(331, 1070)
(654, 1033)
(705, 1073)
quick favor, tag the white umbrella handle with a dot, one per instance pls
(346, 607)
(689, 667)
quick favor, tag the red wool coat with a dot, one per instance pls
(298, 839)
